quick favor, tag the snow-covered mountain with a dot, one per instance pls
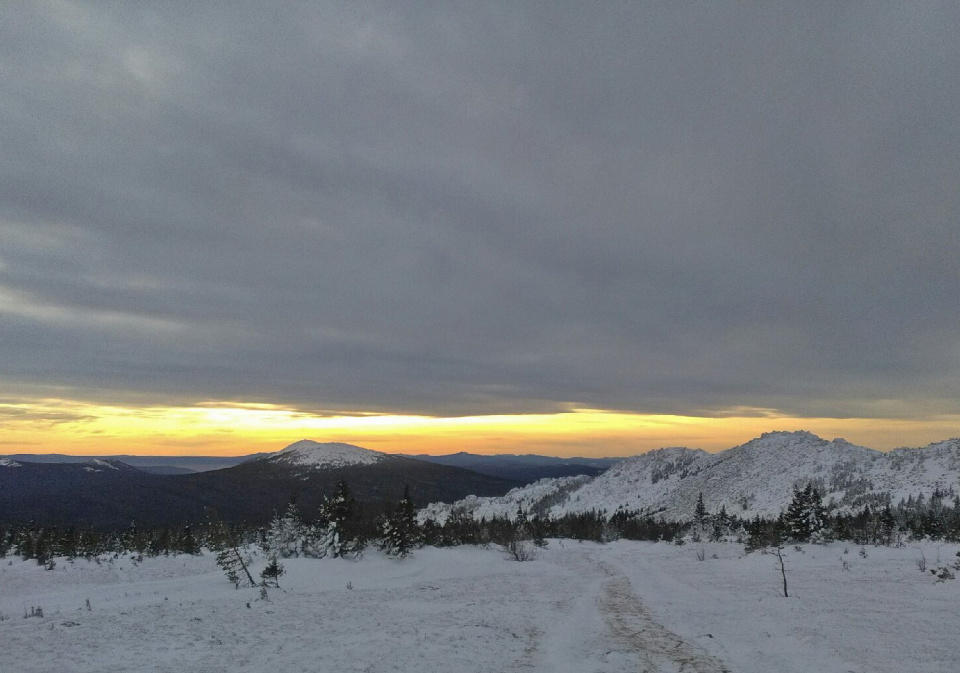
(99, 465)
(758, 477)
(110, 494)
(322, 455)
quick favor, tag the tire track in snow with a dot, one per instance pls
(662, 650)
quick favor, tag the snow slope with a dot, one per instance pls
(323, 456)
(535, 498)
(758, 477)
(98, 465)
(577, 607)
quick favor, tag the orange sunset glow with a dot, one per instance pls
(71, 427)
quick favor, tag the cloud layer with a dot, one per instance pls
(511, 208)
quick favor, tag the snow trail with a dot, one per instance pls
(662, 650)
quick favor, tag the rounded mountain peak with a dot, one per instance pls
(309, 453)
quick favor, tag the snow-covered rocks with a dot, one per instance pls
(531, 498)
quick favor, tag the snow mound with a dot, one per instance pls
(327, 455)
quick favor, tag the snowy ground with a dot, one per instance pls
(578, 607)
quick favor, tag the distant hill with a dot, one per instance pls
(165, 469)
(156, 464)
(112, 493)
(523, 468)
(756, 478)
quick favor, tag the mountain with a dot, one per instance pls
(156, 464)
(63, 493)
(523, 468)
(307, 470)
(165, 469)
(754, 478)
(331, 455)
(520, 468)
(112, 493)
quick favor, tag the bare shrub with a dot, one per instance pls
(520, 550)
(783, 571)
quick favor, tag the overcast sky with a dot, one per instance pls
(477, 208)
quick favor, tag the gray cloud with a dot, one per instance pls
(509, 207)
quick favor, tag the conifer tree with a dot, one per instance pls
(284, 536)
(700, 513)
(796, 517)
(520, 523)
(186, 542)
(806, 517)
(231, 560)
(816, 516)
(401, 534)
(271, 574)
(887, 525)
(67, 545)
(461, 527)
(538, 528)
(332, 534)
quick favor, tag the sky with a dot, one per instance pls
(565, 228)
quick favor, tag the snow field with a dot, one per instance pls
(880, 614)
(580, 607)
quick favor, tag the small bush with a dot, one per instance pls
(944, 573)
(520, 550)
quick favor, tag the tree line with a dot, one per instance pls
(339, 529)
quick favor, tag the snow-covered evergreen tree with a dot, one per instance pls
(401, 534)
(805, 517)
(331, 535)
(816, 516)
(317, 539)
(284, 537)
